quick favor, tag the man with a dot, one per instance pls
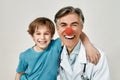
(74, 64)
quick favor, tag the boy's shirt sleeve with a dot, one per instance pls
(22, 65)
(59, 43)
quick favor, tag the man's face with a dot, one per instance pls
(69, 37)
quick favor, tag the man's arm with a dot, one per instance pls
(93, 54)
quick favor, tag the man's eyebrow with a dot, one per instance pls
(62, 23)
(75, 23)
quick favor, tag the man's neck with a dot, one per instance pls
(71, 48)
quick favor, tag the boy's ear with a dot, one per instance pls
(52, 36)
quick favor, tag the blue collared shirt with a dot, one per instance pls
(73, 55)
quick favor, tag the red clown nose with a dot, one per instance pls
(68, 31)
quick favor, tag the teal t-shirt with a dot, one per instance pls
(41, 65)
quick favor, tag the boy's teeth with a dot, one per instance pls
(42, 42)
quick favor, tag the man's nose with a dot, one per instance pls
(69, 31)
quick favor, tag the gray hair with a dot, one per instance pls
(68, 10)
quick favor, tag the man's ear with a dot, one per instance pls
(57, 29)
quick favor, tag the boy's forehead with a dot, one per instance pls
(42, 27)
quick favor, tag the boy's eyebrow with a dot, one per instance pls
(48, 31)
(45, 31)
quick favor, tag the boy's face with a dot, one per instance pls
(71, 37)
(42, 37)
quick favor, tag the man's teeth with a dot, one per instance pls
(69, 37)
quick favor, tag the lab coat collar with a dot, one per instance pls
(64, 61)
(81, 59)
(82, 55)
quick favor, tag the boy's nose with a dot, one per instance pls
(69, 31)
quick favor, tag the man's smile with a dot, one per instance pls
(69, 37)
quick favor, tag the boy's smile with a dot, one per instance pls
(42, 38)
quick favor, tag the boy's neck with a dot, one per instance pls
(37, 49)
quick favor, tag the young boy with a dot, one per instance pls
(41, 61)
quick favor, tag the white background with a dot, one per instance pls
(102, 25)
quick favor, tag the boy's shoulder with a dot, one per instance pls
(26, 52)
(57, 40)
(55, 43)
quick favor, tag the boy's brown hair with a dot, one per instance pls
(43, 21)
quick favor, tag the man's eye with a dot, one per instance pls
(75, 24)
(63, 25)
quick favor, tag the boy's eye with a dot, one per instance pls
(47, 34)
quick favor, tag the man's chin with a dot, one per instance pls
(69, 40)
(68, 43)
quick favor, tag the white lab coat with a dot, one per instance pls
(94, 72)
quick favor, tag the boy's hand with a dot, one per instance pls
(93, 55)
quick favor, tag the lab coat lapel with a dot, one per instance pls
(64, 62)
(81, 59)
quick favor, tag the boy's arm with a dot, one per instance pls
(93, 54)
(18, 75)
